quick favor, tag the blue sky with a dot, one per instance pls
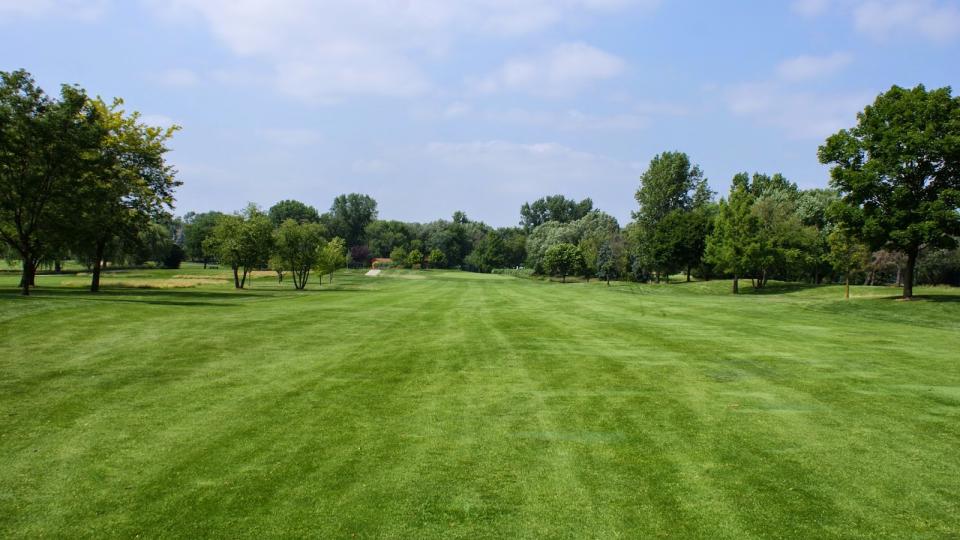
(432, 106)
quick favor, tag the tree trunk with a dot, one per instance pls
(236, 279)
(736, 284)
(243, 280)
(688, 273)
(608, 280)
(97, 265)
(908, 273)
(26, 278)
(899, 277)
(846, 287)
(57, 266)
(204, 264)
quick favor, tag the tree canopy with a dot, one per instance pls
(899, 169)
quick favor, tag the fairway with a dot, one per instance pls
(446, 404)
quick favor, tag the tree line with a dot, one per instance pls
(83, 179)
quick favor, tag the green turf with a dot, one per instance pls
(442, 404)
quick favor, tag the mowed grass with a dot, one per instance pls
(444, 404)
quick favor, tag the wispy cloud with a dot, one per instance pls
(325, 51)
(933, 20)
(806, 67)
(87, 10)
(561, 71)
(882, 19)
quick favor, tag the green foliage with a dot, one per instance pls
(415, 259)
(847, 254)
(563, 260)
(399, 256)
(197, 227)
(384, 236)
(349, 217)
(437, 259)
(243, 242)
(900, 168)
(673, 220)
(298, 245)
(291, 209)
(332, 257)
(735, 244)
(45, 146)
(553, 208)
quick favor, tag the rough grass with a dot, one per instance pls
(470, 406)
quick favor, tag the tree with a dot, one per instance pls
(242, 241)
(553, 208)
(385, 235)
(900, 166)
(667, 190)
(45, 145)
(607, 262)
(563, 260)
(349, 217)
(129, 183)
(277, 264)
(291, 209)
(415, 258)
(197, 227)
(733, 246)
(332, 256)
(437, 259)
(298, 245)
(847, 254)
(399, 256)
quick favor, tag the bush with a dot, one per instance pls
(174, 256)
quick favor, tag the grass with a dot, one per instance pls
(443, 404)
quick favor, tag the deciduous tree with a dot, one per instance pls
(901, 166)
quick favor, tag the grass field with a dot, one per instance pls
(444, 404)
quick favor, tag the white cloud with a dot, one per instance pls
(176, 77)
(325, 51)
(563, 70)
(571, 120)
(802, 115)
(807, 67)
(935, 20)
(927, 18)
(86, 10)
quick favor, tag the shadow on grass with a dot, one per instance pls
(167, 297)
(924, 298)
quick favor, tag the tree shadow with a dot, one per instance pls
(938, 298)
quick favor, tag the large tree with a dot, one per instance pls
(45, 145)
(734, 244)
(128, 185)
(298, 245)
(562, 260)
(553, 208)
(292, 209)
(900, 168)
(243, 241)
(196, 229)
(349, 217)
(665, 234)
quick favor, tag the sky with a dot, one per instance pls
(433, 106)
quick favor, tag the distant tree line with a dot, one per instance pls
(83, 179)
